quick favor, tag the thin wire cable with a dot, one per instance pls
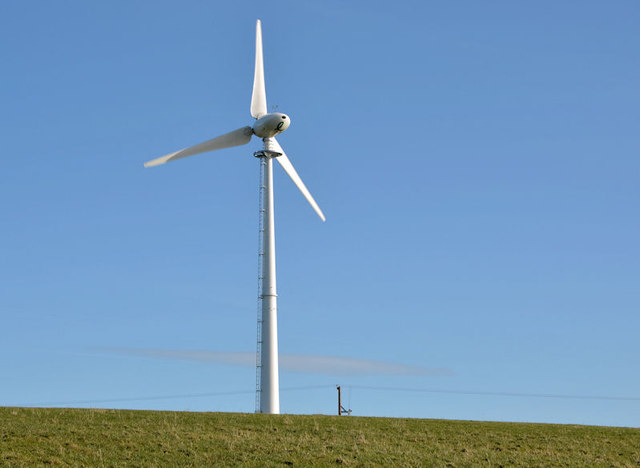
(163, 397)
(361, 387)
(505, 394)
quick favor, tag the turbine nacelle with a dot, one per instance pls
(270, 125)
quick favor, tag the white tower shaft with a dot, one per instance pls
(269, 378)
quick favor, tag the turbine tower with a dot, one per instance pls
(266, 126)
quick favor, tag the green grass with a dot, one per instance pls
(95, 438)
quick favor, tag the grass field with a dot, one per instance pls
(94, 438)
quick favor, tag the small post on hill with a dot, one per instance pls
(340, 407)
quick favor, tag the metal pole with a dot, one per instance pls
(339, 401)
(262, 187)
(269, 379)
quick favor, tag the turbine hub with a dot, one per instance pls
(270, 125)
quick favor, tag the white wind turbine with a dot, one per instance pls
(266, 126)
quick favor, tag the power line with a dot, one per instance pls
(360, 387)
(506, 394)
(163, 397)
(147, 398)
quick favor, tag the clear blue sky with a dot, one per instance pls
(478, 163)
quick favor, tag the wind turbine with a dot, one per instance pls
(266, 126)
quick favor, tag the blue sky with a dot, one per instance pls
(477, 163)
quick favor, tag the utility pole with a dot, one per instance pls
(340, 407)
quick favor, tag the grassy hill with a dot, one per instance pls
(94, 438)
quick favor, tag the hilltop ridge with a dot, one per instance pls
(100, 437)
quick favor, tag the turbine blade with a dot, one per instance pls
(238, 137)
(291, 172)
(259, 96)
